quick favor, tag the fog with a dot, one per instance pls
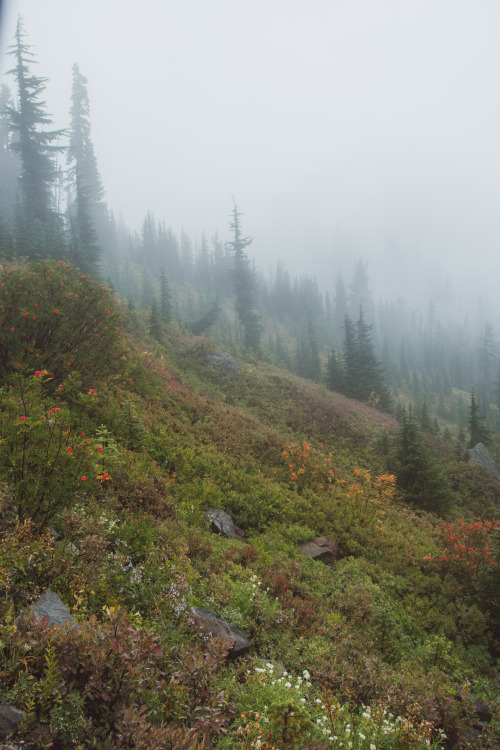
(344, 129)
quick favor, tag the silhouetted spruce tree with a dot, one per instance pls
(308, 360)
(155, 322)
(425, 417)
(360, 295)
(86, 192)
(340, 309)
(371, 382)
(335, 378)
(165, 298)
(363, 377)
(416, 470)
(207, 320)
(244, 284)
(478, 432)
(10, 165)
(37, 148)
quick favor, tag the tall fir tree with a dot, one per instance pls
(86, 206)
(335, 378)
(244, 284)
(362, 378)
(9, 160)
(478, 432)
(165, 298)
(418, 473)
(39, 230)
(360, 295)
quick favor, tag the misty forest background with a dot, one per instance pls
(149, 377)
(52, 205)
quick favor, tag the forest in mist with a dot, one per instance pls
(431, 355)
(245, 502)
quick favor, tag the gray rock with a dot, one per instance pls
(49, 605)
(481, 456)
(10, 719)
(211, 625)
(483, 711)
(224, 362)
(222, 523)
(320, 548)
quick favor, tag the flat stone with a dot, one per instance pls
(224, 362)
(222, 523)
(320, 548)
(481, 456)
(215, 627)
(10, 719)
(50, 605)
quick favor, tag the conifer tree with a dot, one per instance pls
(86, 207)
(155, 322)
(417, 472)
(360, 295)
(165, 299)
(335, 379)
(363, 378)
(37, 148)
(478, 432)
(207, 320)
(9, 160)
(244, 284)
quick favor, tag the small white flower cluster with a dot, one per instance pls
(254, 586)
(286, 678)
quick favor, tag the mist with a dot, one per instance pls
(343, 130)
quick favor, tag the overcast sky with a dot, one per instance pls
(368, 128)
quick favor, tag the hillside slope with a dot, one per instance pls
(111, 455)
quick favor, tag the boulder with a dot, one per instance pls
(480, 455)
(213, 626)
(49, 605)
(483, 711)
(320, 548)
(10, 719)
(222, 523)
(224, 362)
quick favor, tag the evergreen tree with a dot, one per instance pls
(335, 379)
(85, 205)
(370, 379)
(425, 417)
(360, 295)
(307, 353)
(37, 148)
(244, 284)
(207, 320)
(478, 432)
(155, 322)
(417, 472)
(363, 378)
(9, 160)
(165, 299)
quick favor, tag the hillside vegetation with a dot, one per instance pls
(113, 447)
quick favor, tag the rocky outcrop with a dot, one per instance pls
(320, 548)
(211, 625)
(10, 719)
(222, 523)
(224, 362)
(481, 456)
(49, 605)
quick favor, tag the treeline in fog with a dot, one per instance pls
(382, 352)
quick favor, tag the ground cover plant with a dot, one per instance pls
(109, 458)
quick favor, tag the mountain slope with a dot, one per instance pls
(122, 455)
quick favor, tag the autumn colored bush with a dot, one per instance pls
(56, 319)
(43, 452)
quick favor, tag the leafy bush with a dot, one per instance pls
(53, 318)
